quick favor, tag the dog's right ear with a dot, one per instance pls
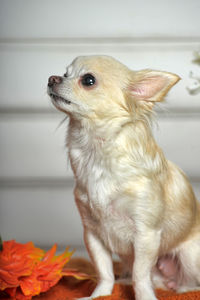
(150, 85)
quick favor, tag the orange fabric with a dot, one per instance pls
(70, 288)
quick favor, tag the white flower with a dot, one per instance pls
(194, 88)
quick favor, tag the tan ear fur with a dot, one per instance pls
(151, 85)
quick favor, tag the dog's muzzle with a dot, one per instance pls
(52, 82)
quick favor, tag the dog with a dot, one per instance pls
(132, 201)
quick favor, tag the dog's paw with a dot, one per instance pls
(103, 289)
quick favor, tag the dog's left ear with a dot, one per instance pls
(150, 85)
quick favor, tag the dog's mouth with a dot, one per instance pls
(58, 98)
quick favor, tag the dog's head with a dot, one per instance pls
(97, 87)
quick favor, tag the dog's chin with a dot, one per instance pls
(56, 99)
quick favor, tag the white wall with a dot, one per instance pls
(38, 39)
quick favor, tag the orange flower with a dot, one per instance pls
(26, 271)
(46, 273)
(17, 260)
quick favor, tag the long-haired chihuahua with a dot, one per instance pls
(132, 201)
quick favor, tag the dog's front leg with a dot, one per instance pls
(146, 246)
(102, 261)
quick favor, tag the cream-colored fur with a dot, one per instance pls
(132, 201)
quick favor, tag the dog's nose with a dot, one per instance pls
(54, 80)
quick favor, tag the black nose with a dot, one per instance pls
(54, 80)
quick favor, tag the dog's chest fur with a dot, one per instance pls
(98, 186)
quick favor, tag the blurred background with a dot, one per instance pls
(39, 39)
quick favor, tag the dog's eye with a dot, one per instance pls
(88, 80)
(65, 75)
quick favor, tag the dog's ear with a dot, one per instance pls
(150, 85)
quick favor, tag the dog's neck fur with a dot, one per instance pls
(131, 144)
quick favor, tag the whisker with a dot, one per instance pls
(61, 123)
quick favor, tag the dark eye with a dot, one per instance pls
(88, 80)
(65, 75)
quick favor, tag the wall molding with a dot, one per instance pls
(51, 182)
(36, 182)
(107, 40)
(102, 44)
(28, 112)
